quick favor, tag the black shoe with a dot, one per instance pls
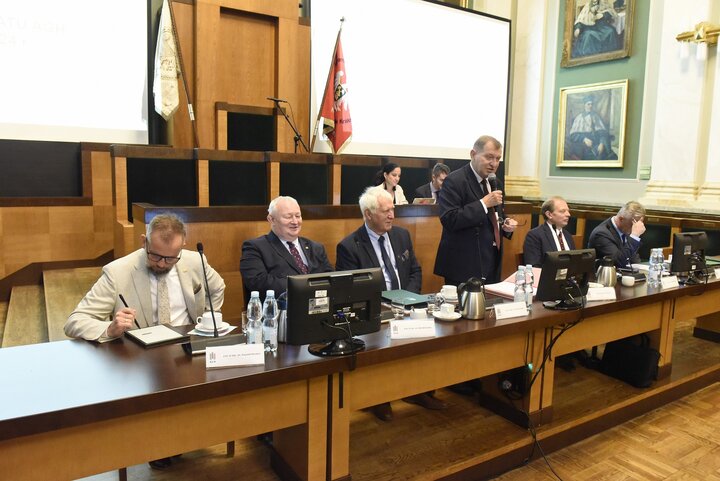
(162, 463)
(467, 388)
(383, 411)
(565, 362)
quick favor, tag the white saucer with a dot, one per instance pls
(221, 327)
(443, 317)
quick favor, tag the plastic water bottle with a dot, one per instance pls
(655, 269)
(529, 282)
(519, 295)
(270, 326)
(254, 314)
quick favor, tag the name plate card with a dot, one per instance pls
(412, 328)
(717, 273)
(217, 357)
(510, 309)
(601, 294)
(669, 282)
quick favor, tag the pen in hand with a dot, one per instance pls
(126, 305)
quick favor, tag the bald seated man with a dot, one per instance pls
(268, 260)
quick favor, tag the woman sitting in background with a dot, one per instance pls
(388, 178)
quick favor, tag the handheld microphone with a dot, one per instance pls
(207, 288)
(492, 178)
(277, 100)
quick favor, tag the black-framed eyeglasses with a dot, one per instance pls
(157, 257)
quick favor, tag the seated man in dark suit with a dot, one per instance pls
(619, 236)
(378, 244)
(268, 260)
(550, 236)
(426, 191)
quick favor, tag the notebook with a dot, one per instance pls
(404, 297)
(154, 335)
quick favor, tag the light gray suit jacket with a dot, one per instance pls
(130, 277)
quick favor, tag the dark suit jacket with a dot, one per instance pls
(356, 252)
(607, 242)
(466, 247)
(423, 192)
(266, 263)
(540, 240)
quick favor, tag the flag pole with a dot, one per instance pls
(181, 71)
(322, 102)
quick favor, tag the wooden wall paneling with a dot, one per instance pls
(207, 24)
(273, 176)
(293, 81)
(203, 180)
(26, 236)
(3, 271)
(122, 243)
(221, 126)
(335, 183)
(425, 233)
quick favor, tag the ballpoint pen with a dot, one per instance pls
(126, 305)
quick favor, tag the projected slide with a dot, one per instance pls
(74, 70)
(423, 79)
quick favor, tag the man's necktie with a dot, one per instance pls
(163, 300)
(493, 217)
(394, 284)
(298, 260)
(624, 239)
(561, 240)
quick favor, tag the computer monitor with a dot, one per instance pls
(564, 278)
(331, 307)
(688, 256)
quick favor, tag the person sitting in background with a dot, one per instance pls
(268, 260)
(550, 236)
(425, 191)
(378, 243)
(619, 236)
(388, 179)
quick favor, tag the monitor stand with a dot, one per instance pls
(340, 347)
(562, 305)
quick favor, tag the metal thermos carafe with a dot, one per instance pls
(471, 298)
(606, 273)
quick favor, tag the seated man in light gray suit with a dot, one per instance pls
(161, 282)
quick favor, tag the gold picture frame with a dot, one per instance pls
(591, 125)
(596, 31)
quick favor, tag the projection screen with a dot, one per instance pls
(423, 79)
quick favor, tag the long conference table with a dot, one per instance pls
(74, 408)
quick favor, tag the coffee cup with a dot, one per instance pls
(206, 321)
(627, 281)
(447, 309)
(449, 292)
(418, 314)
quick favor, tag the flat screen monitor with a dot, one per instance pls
(327, 310)
(688, 255)
(564, 278)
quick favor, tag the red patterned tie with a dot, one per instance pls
(298, 260)
(562, 241)
(493, 217)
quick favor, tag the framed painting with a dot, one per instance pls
(596, 31)
(591, 125)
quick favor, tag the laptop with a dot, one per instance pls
(406, 298)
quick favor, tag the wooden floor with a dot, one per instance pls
(679, 441)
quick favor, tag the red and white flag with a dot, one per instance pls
(335, 110)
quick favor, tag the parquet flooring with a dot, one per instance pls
(679, 441)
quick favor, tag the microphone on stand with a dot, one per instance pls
(207, 288)
(277, 100)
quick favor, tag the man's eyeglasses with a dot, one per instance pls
(157, 257)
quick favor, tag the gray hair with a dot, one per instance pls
(440, 169)
(274, 203)
(166, 225)
(631, 210)
(369, 199)
(479, 145)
